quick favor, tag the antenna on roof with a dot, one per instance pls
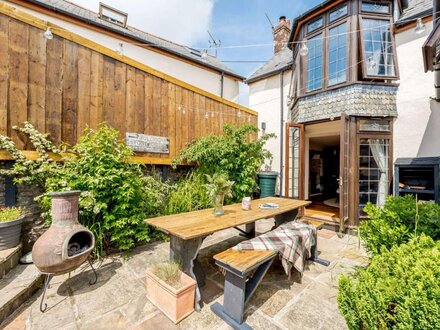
(270, 22)
(214, 43)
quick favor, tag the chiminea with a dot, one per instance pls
(66, 244)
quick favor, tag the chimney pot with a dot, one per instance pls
(281, 34)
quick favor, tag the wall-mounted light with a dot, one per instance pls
(48, 34)
(304, 50)
(120, 49)
(420, 26)
(263, 126)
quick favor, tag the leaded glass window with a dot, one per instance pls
(314, 63)
(337, 54)
(316, 24)
(378, 48)
(338, 13)
(373, 7)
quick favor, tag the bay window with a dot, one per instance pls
(337, 63)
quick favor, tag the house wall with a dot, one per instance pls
(416, 130)
(192, 74)
(264, 97)
(61, 87)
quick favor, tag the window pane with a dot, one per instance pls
(316, 24)
(337, 54)
(379, 57)
(383, 8)
(373, 172)
(314, 63)
(338, 13)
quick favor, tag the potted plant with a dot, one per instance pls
(11, 219)
(171, 290)
(267, 179)
(218, 186)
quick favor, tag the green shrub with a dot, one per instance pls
(395, 223)
(233, 154)
(188, 194)
(10, 213)
(400, 289)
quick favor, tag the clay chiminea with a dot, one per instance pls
(66, 244)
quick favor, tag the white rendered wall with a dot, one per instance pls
(264, 97)
(417, 129)
(207, 80)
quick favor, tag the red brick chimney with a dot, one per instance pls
(281, 34)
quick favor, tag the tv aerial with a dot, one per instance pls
(214, 43)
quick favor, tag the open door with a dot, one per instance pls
(295, 153)
(344, 168)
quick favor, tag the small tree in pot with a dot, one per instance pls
(11, 220)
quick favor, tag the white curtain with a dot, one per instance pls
(380, 153)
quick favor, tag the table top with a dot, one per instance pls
(203, 223)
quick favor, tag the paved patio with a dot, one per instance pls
(118, 300)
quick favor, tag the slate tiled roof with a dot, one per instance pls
(92, 18)
(356, 100)
(415, 9)
(279, 62)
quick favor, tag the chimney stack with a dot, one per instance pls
(281, 34)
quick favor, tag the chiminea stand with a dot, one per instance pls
(66, 245)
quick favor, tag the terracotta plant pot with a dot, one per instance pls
(176, 304)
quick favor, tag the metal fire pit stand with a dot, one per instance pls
(48, 278)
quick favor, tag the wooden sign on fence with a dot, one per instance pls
(148, 143)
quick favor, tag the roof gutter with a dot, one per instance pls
(269, 74)
(127, 35)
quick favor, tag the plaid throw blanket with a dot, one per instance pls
(292, 240)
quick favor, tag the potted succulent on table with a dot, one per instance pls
(218, 186)
(171, 290)
(11, 219)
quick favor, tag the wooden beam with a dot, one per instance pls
(57, 30)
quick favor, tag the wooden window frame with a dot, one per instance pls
(306, 68)
(307, 32)
(365, 75)
(346, 4)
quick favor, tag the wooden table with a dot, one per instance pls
(188, 230)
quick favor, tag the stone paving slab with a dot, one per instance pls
(9, 259)
(118, 300)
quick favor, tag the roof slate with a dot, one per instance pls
(415, 9)
(280, 61)
(73, 10)
(355, 100)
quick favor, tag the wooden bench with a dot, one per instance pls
(238, 290)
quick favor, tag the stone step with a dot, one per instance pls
(9, 259)
(16, 287)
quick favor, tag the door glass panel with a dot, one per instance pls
(294, 161)
(373, 172)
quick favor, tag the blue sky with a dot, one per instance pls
(234, 22)
(243, 22)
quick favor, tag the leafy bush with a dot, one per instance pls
(399, 290)
(188, 194)
(115, 195)
(234, 154)
(10, 213)
(395, 223)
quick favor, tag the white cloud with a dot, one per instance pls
(184, 22)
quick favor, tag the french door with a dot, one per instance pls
(295, 153)
(344, 168)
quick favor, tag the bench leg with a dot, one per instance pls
(315, 257)
(185, 253)
(237, 294)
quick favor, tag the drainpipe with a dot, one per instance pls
(436, 15)
(281, 130)
(222, 80)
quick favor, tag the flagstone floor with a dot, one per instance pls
(118, 300)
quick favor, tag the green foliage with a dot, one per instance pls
(188, 194)
(10, 214)
(233, 154)
(395, 223)
(399, 290)
(115, 195)
(218, 184)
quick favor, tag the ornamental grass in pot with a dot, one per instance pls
(11, 219)
(171, 290)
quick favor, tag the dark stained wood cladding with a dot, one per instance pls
(62, 87)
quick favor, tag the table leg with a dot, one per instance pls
(314, 254)
(249, 231)
(185, 253)
(285, 217)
